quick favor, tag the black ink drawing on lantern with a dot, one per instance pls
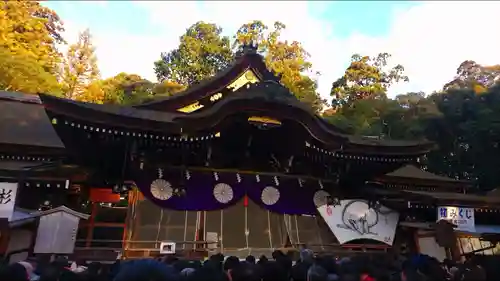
(5, 196)
(360, 224)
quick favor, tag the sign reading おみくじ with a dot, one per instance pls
(463, 218)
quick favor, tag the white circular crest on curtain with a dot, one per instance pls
(320, 198)
(223, 193)
(270, 195)
(161, 189)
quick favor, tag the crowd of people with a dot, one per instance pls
(281, 267)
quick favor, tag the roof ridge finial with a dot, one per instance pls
(248, 48)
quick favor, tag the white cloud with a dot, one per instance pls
(430, 39)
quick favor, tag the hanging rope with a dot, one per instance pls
(221, 243)
(247, 231)
(185, 228)
(269, 230)
(159, 229)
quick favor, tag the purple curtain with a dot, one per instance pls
(293, 199)
(286, 196)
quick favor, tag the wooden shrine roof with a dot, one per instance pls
(23, 121)
(18, 165)
(268, 98)
(413, 172)
(460, 197)
(248, 59)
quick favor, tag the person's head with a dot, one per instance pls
(317, 273)
(231, 263)
(208, 272)
(146, 269)
(277, 254)
(170, 259)
(50, 273)
(217, 259)
(15, 272)
(306, 256)
(67, 275)
(94, 268)
(474, 273)
(273, 271)
(328, 263)
(245, 272)
(250, 259)
(187, 272)
(285, 261)
(262, 260)
(29, 268)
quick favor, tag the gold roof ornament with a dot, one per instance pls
(264, 120)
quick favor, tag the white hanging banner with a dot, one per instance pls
(463, 218)
(355, 219)
(8, 192)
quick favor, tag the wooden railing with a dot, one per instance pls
(201, 249)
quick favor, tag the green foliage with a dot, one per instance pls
(467, 134)
(289, 60)
(202, 53)
(464, 123)
(365, 78)
(144, 91)
(471, 75)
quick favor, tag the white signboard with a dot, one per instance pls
(167, 248)
(56, 233)
(463, 218)
(354, 219)
(8, 192)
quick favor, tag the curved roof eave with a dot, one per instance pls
(111, 115)
(216, 83)
(277, 105)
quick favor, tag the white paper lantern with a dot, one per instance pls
(223, 193)
(161, 189)
(270, 195)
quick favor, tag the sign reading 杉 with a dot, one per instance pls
(355, 219)
(463, 218)
(8, 192)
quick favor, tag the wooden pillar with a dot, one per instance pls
(137, 215)
(416, 240)
(455, 249)
(90, 228)
(201, 230)
(129, 224)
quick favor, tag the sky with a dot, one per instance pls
(430, 39)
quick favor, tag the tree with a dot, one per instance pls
(471, 75)
(467, 134)
(144, 91)
(366, 77)
(127, 89)
(24, 74)
(80, 67)
(93, 92)
(289, 60)
(29, 32)
(404, 117)
(112, 90)
(202, 53)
